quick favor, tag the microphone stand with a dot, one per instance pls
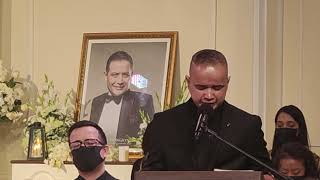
(274, 172)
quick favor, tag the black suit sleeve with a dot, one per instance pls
(152, 147)
(95, 114)
(258, 145)
(148, 106)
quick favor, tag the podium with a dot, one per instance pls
(198, 175)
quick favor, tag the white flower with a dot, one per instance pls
(24, 107)
(14, 115)
(18, 92)
(10, 95)
(4, 109)
(56, 116)
(26, 85)
(1, 100)
(10, 115)
(143, 125)
(58, 154)
(15, 74)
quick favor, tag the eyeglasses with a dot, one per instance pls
(87, 143)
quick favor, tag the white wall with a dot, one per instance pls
(58, 26)
(45, 37)
(293, 62)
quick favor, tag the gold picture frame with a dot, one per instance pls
(153, 53)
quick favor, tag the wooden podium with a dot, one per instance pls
(198, 175)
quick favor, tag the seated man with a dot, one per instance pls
(87, 142)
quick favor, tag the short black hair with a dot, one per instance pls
(208, 57)
(85, 123)
(117, 56)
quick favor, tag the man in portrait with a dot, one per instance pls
(117, 110)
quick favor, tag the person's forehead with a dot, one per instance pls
(120, 62)
(120, 66)
(291, 163)
(283, 116)
(213, 73)
(82, 133)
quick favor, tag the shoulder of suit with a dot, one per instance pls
(136, 93)
(101, 96)
(138, 96)
(178, 110)
(231, 108)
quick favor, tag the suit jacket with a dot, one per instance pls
(169, 140)
(129, 118)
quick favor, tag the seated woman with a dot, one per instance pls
(291, 127)
(295, 160)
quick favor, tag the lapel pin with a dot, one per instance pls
(228, 125)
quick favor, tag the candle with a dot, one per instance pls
(37, 150)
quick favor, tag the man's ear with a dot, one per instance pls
(229, 77)
(105, 75)
(104, 151)
(187, 79)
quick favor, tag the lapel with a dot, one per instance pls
(98, 107)
(226, 121)
(220, 150)
(234, 131)
(126, 109)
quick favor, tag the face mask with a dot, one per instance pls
(87, 158)
(297, 177)
(285, 135)
(282, 136)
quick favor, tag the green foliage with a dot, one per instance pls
(56, 116)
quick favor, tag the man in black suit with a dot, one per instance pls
(117, 110)
(169, 139)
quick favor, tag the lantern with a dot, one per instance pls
(36, 147)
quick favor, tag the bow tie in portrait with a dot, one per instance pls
(116, 99)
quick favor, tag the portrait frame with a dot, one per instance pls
(167, 41)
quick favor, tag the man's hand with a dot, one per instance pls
(268, 177)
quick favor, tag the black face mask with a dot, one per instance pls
(297, 177)
(87, 158)
(285, 135)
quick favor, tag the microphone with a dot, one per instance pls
(273, 171)
(203, 112)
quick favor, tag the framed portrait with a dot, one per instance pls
(124, 76)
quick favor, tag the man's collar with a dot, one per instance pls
(102, 177)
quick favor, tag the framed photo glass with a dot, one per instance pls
(124, 78)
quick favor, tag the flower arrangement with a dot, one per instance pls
(11, 94)
(56, 116)
(137, 141)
